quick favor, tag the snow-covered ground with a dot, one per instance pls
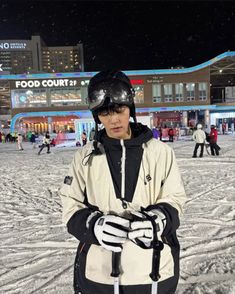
(37, 254)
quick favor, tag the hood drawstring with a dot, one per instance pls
(95, 151)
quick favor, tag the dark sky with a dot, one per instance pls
(127, 35)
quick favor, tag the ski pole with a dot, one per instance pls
(154, 275)
(116, 257)
(157, 248)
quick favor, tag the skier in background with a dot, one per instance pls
(20, 141)
(33, 140)
(45, 143)
(199, 137)
(84, 138)
(92, 134)
(122, 194)
(156, 133)
(213, 141)
(171, 135)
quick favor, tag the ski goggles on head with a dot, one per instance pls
(117, 92)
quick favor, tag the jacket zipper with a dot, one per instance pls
(123, 165)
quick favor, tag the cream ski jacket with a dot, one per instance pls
(199, 136)
(89, 187)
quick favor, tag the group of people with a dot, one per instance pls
(157, 133)
(201, 137)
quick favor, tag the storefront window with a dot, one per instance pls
(168, 97)
(28, 98)
(190, 91)
(202, 91)
(69, 96)
(179, 92)
(157, 93)
(139, 93)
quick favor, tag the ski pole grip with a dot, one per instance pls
(158, 246)
(116, 257)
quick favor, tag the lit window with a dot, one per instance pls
(190, 90)
(168, 97)
(179, 92)
(202, 87)
(156, 93)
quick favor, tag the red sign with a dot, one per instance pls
(137, 82)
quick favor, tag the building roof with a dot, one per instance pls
(224, 62)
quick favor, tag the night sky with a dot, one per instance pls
(129, 35)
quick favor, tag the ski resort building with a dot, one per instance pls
(179, 97)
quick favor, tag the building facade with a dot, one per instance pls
(34, 56)
(174, 97)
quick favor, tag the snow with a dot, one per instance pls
(37, 254)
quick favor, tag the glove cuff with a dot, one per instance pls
(92, 218)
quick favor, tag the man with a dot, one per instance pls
(199, 137)
(213, 141)
(123, 194)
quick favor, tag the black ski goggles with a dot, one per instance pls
(117, 92)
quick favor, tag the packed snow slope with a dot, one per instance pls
(37, 254)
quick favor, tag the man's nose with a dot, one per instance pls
(113, 117)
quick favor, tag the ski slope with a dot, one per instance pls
(37, 254)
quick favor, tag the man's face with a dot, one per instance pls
(116, 122)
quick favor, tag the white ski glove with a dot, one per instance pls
(142, 230)
(111, 231)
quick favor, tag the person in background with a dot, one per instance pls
(45, 143)
(156, 133)
(33, 139)
(92, 134)
(160, 133)
(171, 135)
(199, 136)
(84, 138)
(223, 127)
(122, 196)
(3, 138)
(20, 141)
(213, 141)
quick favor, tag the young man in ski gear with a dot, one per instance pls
(122, 192)
(213, 141)
(199, 136)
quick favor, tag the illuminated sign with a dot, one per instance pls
(15, 45)
(137, 82)
(50, 83)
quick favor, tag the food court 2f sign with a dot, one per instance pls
(51, 83)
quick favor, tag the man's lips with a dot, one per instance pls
(117, 129)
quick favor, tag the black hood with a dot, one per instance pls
(140, 134)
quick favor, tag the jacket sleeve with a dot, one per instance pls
(77, 214)
(172, 194)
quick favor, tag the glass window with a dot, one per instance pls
(168, 97)
(28, 98)
(139, 93)
(190, 91)
(179, 96)
(69, 96)
(202, 91)
(157, 97)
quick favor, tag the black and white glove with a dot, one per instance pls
(142, 230)
(111, 231)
